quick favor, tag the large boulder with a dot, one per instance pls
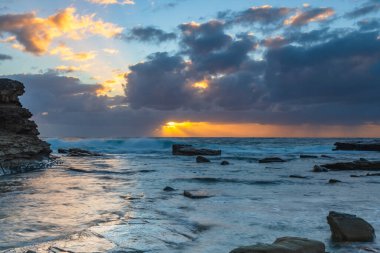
(358, 145)
(285, 245)
(189, 150)
(20, 148)
(349, 228)
(361, 164)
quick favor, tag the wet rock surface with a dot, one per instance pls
(20, 148)
(349, 228)
(196, 194)
(358, 145)
(189, 150)
(285, 245)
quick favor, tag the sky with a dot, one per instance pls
(166, 68)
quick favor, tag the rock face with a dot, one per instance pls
(189, 150)
(20, 148)
(361, 164)
(349, 228)
(359, 145)
(285, 245)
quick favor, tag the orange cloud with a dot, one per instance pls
(67, 54)
(107, 2)
(67, 69)
(209, 129)
(313, 15)
(36, 34)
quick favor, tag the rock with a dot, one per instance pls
(224, 163)
(189, 150)
(202, 159)
(196, 194)
(169, 189)
(318, 168)
(349, 228)
(285, 245)
(326, 156)
(78, 152)
(271, 160)
(358, 145)
(20, 148)
(298, 176)
(308, 156)
(334, 181)
(361, 164)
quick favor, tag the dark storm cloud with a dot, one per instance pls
(369, 24)
(63, 106)
(343, 71)
(4, 57)
(370, 7)
(148, 34)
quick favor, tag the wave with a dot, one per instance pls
(114, 146)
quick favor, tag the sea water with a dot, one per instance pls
(116, 202)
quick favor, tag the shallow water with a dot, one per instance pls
(119, 202)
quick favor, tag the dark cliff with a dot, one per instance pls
(20, 147)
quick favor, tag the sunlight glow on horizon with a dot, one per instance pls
(211, 129)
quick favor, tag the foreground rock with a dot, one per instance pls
(20, 148)
(77, 152)
(349, 228)
(285, 245)
(271, 160)
(361, 164)
(358, 145)
(189, 150)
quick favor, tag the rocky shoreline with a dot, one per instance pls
(20, 148)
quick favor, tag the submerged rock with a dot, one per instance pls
(196, 194)
(349, 228)
(189, 150)
(318, 168)
(308, 156)
(169, 189)
(20, 148)
(224, 163)
(77, 152)
(285, 245)
(361, 164)
(202, 159)
(271, 160)
(298, 176)
(334, 181)
(358, 145)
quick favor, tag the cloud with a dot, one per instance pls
(309, 15)
(67, 54)
(35, 34)
(148, 34)
(111, 51)
(371, 6)
(4, 57)
(263, 15)
(108, 2)
(67, 69)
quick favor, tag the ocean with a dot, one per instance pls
(116, 202)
